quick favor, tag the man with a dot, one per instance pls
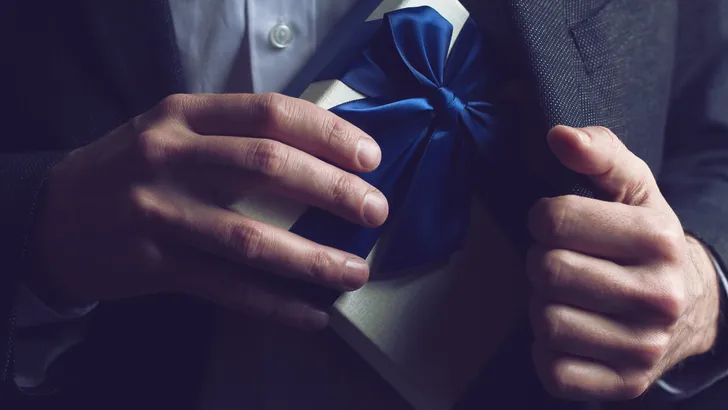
(114, 187)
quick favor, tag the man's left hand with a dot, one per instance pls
(621, 293)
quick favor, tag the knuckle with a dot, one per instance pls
(248, 239)
(638, 190)
(141, 122)
(652, 349)
(321, 266)
(269, 158)
(147, 205)
(342, 188)
(558, 382)
(554, 265)
(553, 325)
(668, 241)
(273, 110)
(665, 296)
(549, 324)
(550, 218)
(336, 132)
(671, 302)
(608, 132)
(614, 142)
(152, 144)
(173, 105)
(635, 385)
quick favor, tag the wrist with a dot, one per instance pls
(707, 293)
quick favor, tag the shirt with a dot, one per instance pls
(249, 46)
(238, 46)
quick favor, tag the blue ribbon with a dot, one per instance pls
(425, 110)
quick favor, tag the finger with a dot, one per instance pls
(289, 172)
(635, 294)
(292, 121)
(239, 239)
(572, 378)
(226, 285)
(590, 283)
(623, 233)
(598, 153)
(578, 332)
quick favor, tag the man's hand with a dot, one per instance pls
(143, 209)
(620, 293)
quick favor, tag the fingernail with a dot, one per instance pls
(356, 273)
(368, 154)
(583, 136)
(375, 208)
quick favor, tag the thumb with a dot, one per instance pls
(598, 153)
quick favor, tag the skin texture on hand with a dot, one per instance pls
(143, 210)
(621, 294)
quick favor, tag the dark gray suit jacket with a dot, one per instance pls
(654, 71)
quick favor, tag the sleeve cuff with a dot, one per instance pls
(32, 311)
(34, 354)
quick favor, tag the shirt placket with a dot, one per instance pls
(282, 36)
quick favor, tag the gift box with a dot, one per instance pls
(447, 286)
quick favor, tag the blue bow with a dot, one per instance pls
(423, 109)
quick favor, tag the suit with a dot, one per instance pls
(78, 69)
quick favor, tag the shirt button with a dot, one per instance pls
(280, 36)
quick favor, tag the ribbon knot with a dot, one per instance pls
(447, 105)
(425, 108)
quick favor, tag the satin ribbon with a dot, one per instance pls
(425, 110)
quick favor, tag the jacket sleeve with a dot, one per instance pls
(21, 181)
(694, 177)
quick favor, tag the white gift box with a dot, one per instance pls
(430, 332)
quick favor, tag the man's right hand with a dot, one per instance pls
(143, 209)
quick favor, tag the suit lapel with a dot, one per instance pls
(553, 60)
(136, 44)
(558, 76)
